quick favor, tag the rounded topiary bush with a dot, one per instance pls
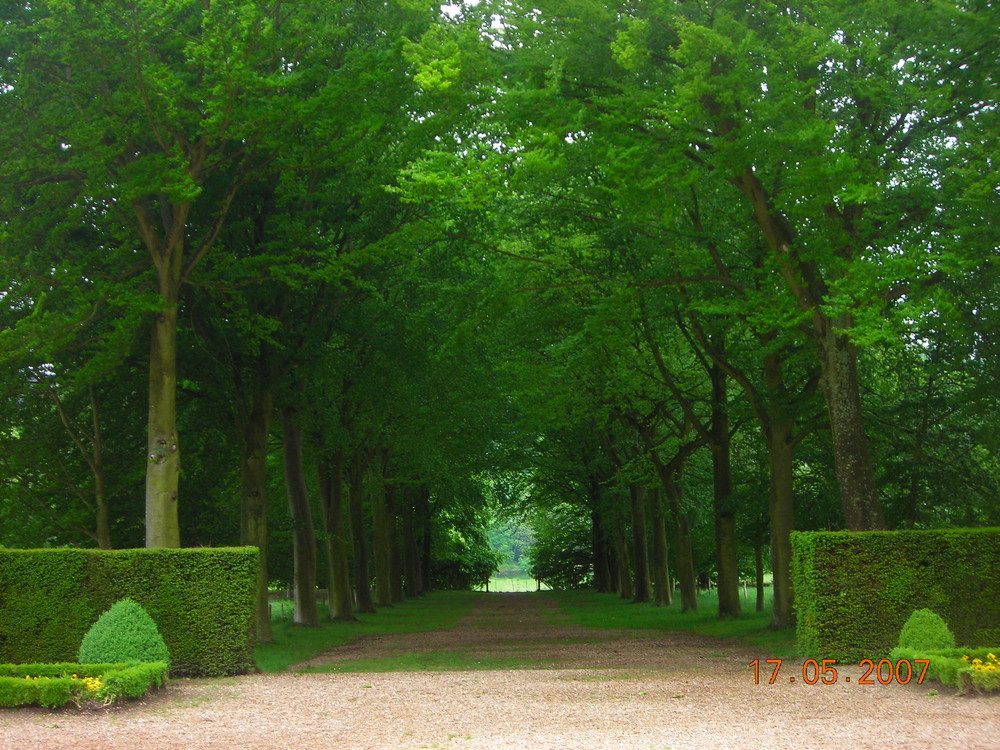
(925, 631)
(124, 633)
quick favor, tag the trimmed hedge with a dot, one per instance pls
(926, 630)
(854, 590)
(202, 600)
(55, 685)
(124, 633)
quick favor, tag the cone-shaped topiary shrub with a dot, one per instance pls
(124, 633)
(924, 631)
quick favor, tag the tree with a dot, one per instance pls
(827, 124)
(147, 120)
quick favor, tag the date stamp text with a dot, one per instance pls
(881, 672)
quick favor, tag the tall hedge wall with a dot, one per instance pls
(854, 590)
(201, 599)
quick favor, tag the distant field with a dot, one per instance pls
(511, 584)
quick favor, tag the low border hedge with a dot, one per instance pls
(60, 683)
(947, 666)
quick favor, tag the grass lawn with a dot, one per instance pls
(752, 629)
(438, 610)
(513, 584)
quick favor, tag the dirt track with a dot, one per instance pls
(598, 689)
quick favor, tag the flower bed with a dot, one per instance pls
(55, 685)
(962, 668)
(980, 674)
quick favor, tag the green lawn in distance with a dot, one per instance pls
(513, 584)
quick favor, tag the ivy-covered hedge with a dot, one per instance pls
(202, 601)
(854, 590)
(55, 685)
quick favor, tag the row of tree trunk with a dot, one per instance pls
(630, 551)
(397, 545)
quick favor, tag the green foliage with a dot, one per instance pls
(562, 556)
(924, 630)
(462, 574)
(201, 599)
(854, 591)
(53, 685)
(124, 633)
(514, 541)
(462, 557)
(132, 681)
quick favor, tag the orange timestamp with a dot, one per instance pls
(881, 672)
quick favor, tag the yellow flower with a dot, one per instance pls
(965, 658)
(977, 662)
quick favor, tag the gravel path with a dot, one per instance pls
(596, 690)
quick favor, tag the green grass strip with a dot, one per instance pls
(610, 611)
(439, 610)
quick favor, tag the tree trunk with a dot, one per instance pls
(163, 450)
(163, 447)
(256, 426)
(662, 591)
(626, 588)
(424, 519)
(682, 545)
(685, 561)
(103, 519)
(381, 543)
(362, 574)
(413, 580)
(395, 548)
(303, 535)
(758, 566)
(917, 462)
(603, 576)
(726, 558)
(851, 455)
(670, 475)
(837, 358)
(341, 595)
(602, 554)
(640, 553)
(780, 450)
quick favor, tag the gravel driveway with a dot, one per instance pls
(594, 689)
